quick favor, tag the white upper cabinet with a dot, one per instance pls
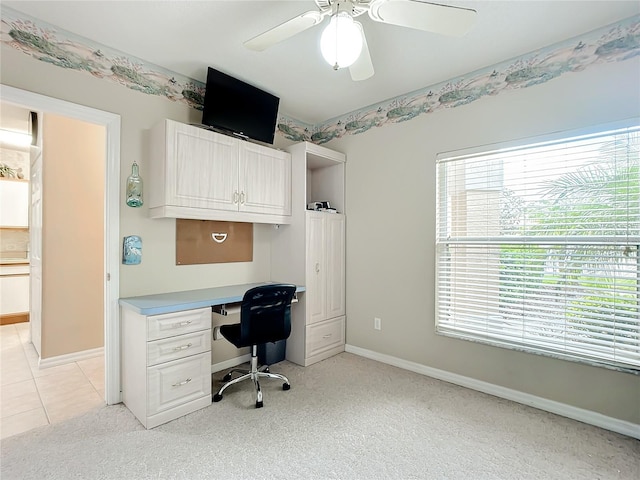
(14, 203)
(203, 166)
(200, 174)
(264, 182)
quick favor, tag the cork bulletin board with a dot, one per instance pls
(208, 241)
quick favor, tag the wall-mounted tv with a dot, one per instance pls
(236, 107)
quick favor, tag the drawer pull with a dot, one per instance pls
(219, 237)
(328, 335)
(179, 384)
(183, 347)
(182, 324)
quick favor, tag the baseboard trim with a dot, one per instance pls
(233, 362)
(11, 318)
(70, 358)
(562, 409)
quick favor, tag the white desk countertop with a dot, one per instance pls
(190, 299)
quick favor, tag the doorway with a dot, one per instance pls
(111, 122)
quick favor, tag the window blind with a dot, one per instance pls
(537, 247)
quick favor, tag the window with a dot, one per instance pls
(537, 247)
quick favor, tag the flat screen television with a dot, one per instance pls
(236, 107)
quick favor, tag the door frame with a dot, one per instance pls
(111, 122)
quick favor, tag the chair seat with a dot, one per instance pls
(232, 334)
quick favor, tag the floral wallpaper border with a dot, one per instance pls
(47, 43)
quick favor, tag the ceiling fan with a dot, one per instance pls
(343, 43)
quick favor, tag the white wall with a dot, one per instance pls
(73, 181)
(139, 112)
(391, 233)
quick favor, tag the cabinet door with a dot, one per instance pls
(335, 264)
(264, 180)
(14, 203)
(202, 168)
(315, 268)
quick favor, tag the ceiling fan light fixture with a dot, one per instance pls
(341, 41)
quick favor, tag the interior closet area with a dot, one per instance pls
(15, 141)
(51, 202)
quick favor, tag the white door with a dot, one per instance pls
(335, 248)
(35, 249)
(316, 275)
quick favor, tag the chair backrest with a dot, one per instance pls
(265, 315)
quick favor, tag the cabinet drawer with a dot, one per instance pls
(172, 324)
(174, 383)
(324, 336)
(173, 348)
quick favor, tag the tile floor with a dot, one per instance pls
(31, 397)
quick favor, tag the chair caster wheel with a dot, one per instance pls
(226, 378)
(217, 397)
(286, 386)
(259, 405)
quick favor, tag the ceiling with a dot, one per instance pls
(188, 36)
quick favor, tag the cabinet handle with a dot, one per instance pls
(328, 335)
(219, 237)
(183, 347)
(179, 384)
(317, 268)
(182, 324)
(235, 197)
(242, 198)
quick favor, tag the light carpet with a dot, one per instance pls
(347, 417)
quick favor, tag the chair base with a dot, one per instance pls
(254, 373)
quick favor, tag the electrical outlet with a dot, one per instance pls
(377, 323)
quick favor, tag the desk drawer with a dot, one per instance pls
(174, 383)
(173, 348)
(172, 324)
(325, 335)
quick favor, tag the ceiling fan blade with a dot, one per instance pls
(431, 17)
(285, 30)
(362, 68)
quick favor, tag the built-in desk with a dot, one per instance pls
(166, 350)
(188, 300)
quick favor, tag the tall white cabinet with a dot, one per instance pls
(325, 266)
(311, 251)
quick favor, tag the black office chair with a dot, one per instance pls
(265, 316)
